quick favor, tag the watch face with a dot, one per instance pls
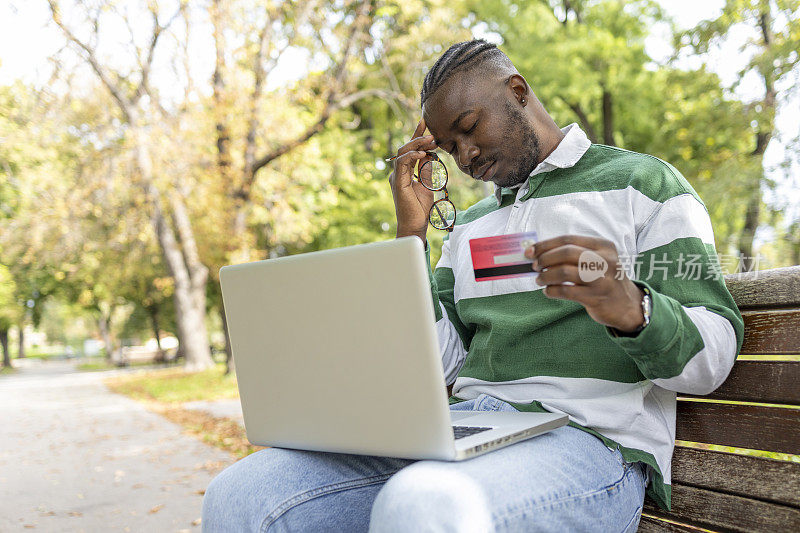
(647, 308)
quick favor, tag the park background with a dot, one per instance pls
(145, 144)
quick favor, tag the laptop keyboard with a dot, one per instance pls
(465, 431)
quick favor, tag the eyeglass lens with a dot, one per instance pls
(443, 214)
(433, 175)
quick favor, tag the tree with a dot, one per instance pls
(591, 67)
(138, 106)
(9, 310)
(775, 26)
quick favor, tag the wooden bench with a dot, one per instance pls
(738, 490)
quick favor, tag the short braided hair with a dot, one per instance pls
(462, 57)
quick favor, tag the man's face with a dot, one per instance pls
(481, 123)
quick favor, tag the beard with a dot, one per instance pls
(521, 163)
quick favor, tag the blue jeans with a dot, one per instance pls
(564, 480)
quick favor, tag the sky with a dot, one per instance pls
(27, 40)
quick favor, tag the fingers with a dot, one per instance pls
(557, 275)
(425, 143)
(592, 243)
(576, 293)
(420, 128)
(409, 154)
(569, 254)
(418, 141)
(404, 166)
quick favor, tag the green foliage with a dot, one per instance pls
(9, 310)
(75, 222)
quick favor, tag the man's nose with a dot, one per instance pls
(466, 156)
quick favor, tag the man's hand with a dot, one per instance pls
(610, 299)
(412, 201)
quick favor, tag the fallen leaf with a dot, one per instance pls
(201, 492)
(156, 509)
(197, 521)
(75, 513)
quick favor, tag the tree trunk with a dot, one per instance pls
(153, 312)
(586, 124)
(766, 126)
(747, 259)
(189, 295)
(608, 119)
(189, 315)
(4, 342)
(104, 325)
(21, 352)
(228, 351)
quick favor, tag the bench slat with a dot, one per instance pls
(714, 510)
(756, 427)
(653, 525)
(777, 287)
(762, 382)
(742, 475)
(771, 331)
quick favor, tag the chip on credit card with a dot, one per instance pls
(502, 256)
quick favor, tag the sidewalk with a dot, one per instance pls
(219, 409)
(76, 457)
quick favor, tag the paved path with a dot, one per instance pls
(76, 457)
(219, 408)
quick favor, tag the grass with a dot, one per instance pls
(7, 370)
(92, 364)
(174, 385)
(164, 391)
(95, 365)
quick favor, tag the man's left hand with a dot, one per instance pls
(608, 295)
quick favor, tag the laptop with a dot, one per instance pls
(337, 351)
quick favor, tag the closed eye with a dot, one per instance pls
(470, 130)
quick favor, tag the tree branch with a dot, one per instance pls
(583, 119)
(316, 127)
(158, 29)
(91, 58)
(331, 105)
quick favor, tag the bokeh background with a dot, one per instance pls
(145, 144)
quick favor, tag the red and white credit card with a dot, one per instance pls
(502, 256)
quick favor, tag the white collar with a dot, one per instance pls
(567, 153)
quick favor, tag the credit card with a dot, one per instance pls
(502, 256)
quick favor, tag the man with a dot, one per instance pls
(608, 351)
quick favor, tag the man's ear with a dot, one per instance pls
(519, 88)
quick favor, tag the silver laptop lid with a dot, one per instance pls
(337, 351)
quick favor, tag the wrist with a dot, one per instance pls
(643, 315)
(633, 317)
(405, 233)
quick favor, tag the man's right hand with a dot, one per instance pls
(412, 201)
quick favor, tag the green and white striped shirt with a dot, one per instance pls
(506, 339)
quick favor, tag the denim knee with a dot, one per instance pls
(431, 496)
(217, 502)
(235, 499)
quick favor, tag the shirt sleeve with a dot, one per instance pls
(696, 330)
(454, 337)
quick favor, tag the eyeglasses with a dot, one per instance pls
(433, 176)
